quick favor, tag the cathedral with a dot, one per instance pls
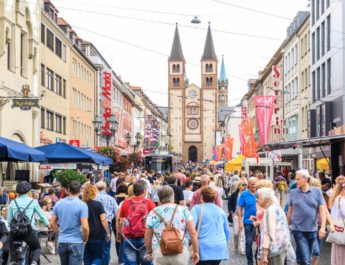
(193, 110)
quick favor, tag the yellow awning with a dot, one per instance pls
(322, 164)
(234, 164)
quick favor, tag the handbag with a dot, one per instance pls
(338, 236)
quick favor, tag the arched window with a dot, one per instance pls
(176, 68)
(209, 68)
(209, 81)
(176, 81)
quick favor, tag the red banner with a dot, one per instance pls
(248, 145)
(219, 149)
(228, 144)
(264, 110)
(106, 102)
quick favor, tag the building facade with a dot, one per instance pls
(193, 110)
(328, 79)
(19, 68)
(55, 48)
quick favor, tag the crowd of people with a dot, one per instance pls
(179, 218)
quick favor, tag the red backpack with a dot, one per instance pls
(136, 219)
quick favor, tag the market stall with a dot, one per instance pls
(234, 164)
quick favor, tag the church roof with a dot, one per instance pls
(222, 77)
(176, 50)
(209, 52)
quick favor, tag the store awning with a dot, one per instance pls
(66, 153)
(304, 143)
(13, 151)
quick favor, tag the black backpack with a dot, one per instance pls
(21, 224)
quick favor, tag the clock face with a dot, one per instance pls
(193, 124)
(192, 94)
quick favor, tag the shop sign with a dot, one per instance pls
(276, 83)
(74, 142)
(25, 103)
(106, 102)
(58, 166)
(60, 140)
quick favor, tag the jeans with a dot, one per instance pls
(33, 243)
(71, 253)
(107, 247)
(94, 252)
(318, 245)
(135, 256)
(248, 230)
(305, 244)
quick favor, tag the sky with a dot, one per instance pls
(135, 36)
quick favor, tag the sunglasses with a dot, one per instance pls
(244, 184)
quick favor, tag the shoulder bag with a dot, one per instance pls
(338, 236)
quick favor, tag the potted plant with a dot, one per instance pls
(64, 177)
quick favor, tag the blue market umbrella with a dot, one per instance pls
(13, 151)
(66, 153)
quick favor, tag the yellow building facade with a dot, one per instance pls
(54, 78)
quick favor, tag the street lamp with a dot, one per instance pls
(97, 122)
(128, 137)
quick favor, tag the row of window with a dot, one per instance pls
(80, 100)
(318, 7)
(53, 43)
(321, 40)
(81, 71)
(305, 44)
(291, 128)
(291, 59)
(53, 121)
(304, 118)
(53, 81)
(192, 110)
(321, 81)
(291, 90)
(305, 78)
(81, 131)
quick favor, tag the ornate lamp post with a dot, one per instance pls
(113, 127)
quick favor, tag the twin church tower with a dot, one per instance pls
(193, 110)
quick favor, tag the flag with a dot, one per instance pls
(214, 153)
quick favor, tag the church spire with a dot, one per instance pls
(176, 50)
(209, 52)
(222, 77)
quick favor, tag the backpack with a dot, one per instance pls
(20, 225)
(136, 219)
(171, 242)
(281, 185)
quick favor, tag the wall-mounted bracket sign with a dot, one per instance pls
(26, 102)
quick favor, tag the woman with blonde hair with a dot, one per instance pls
(338, 213)
(99, 230)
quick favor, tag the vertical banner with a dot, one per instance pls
(228, 144)
(248, 141)
(264, 110)
(219, 149)
(106, 102)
